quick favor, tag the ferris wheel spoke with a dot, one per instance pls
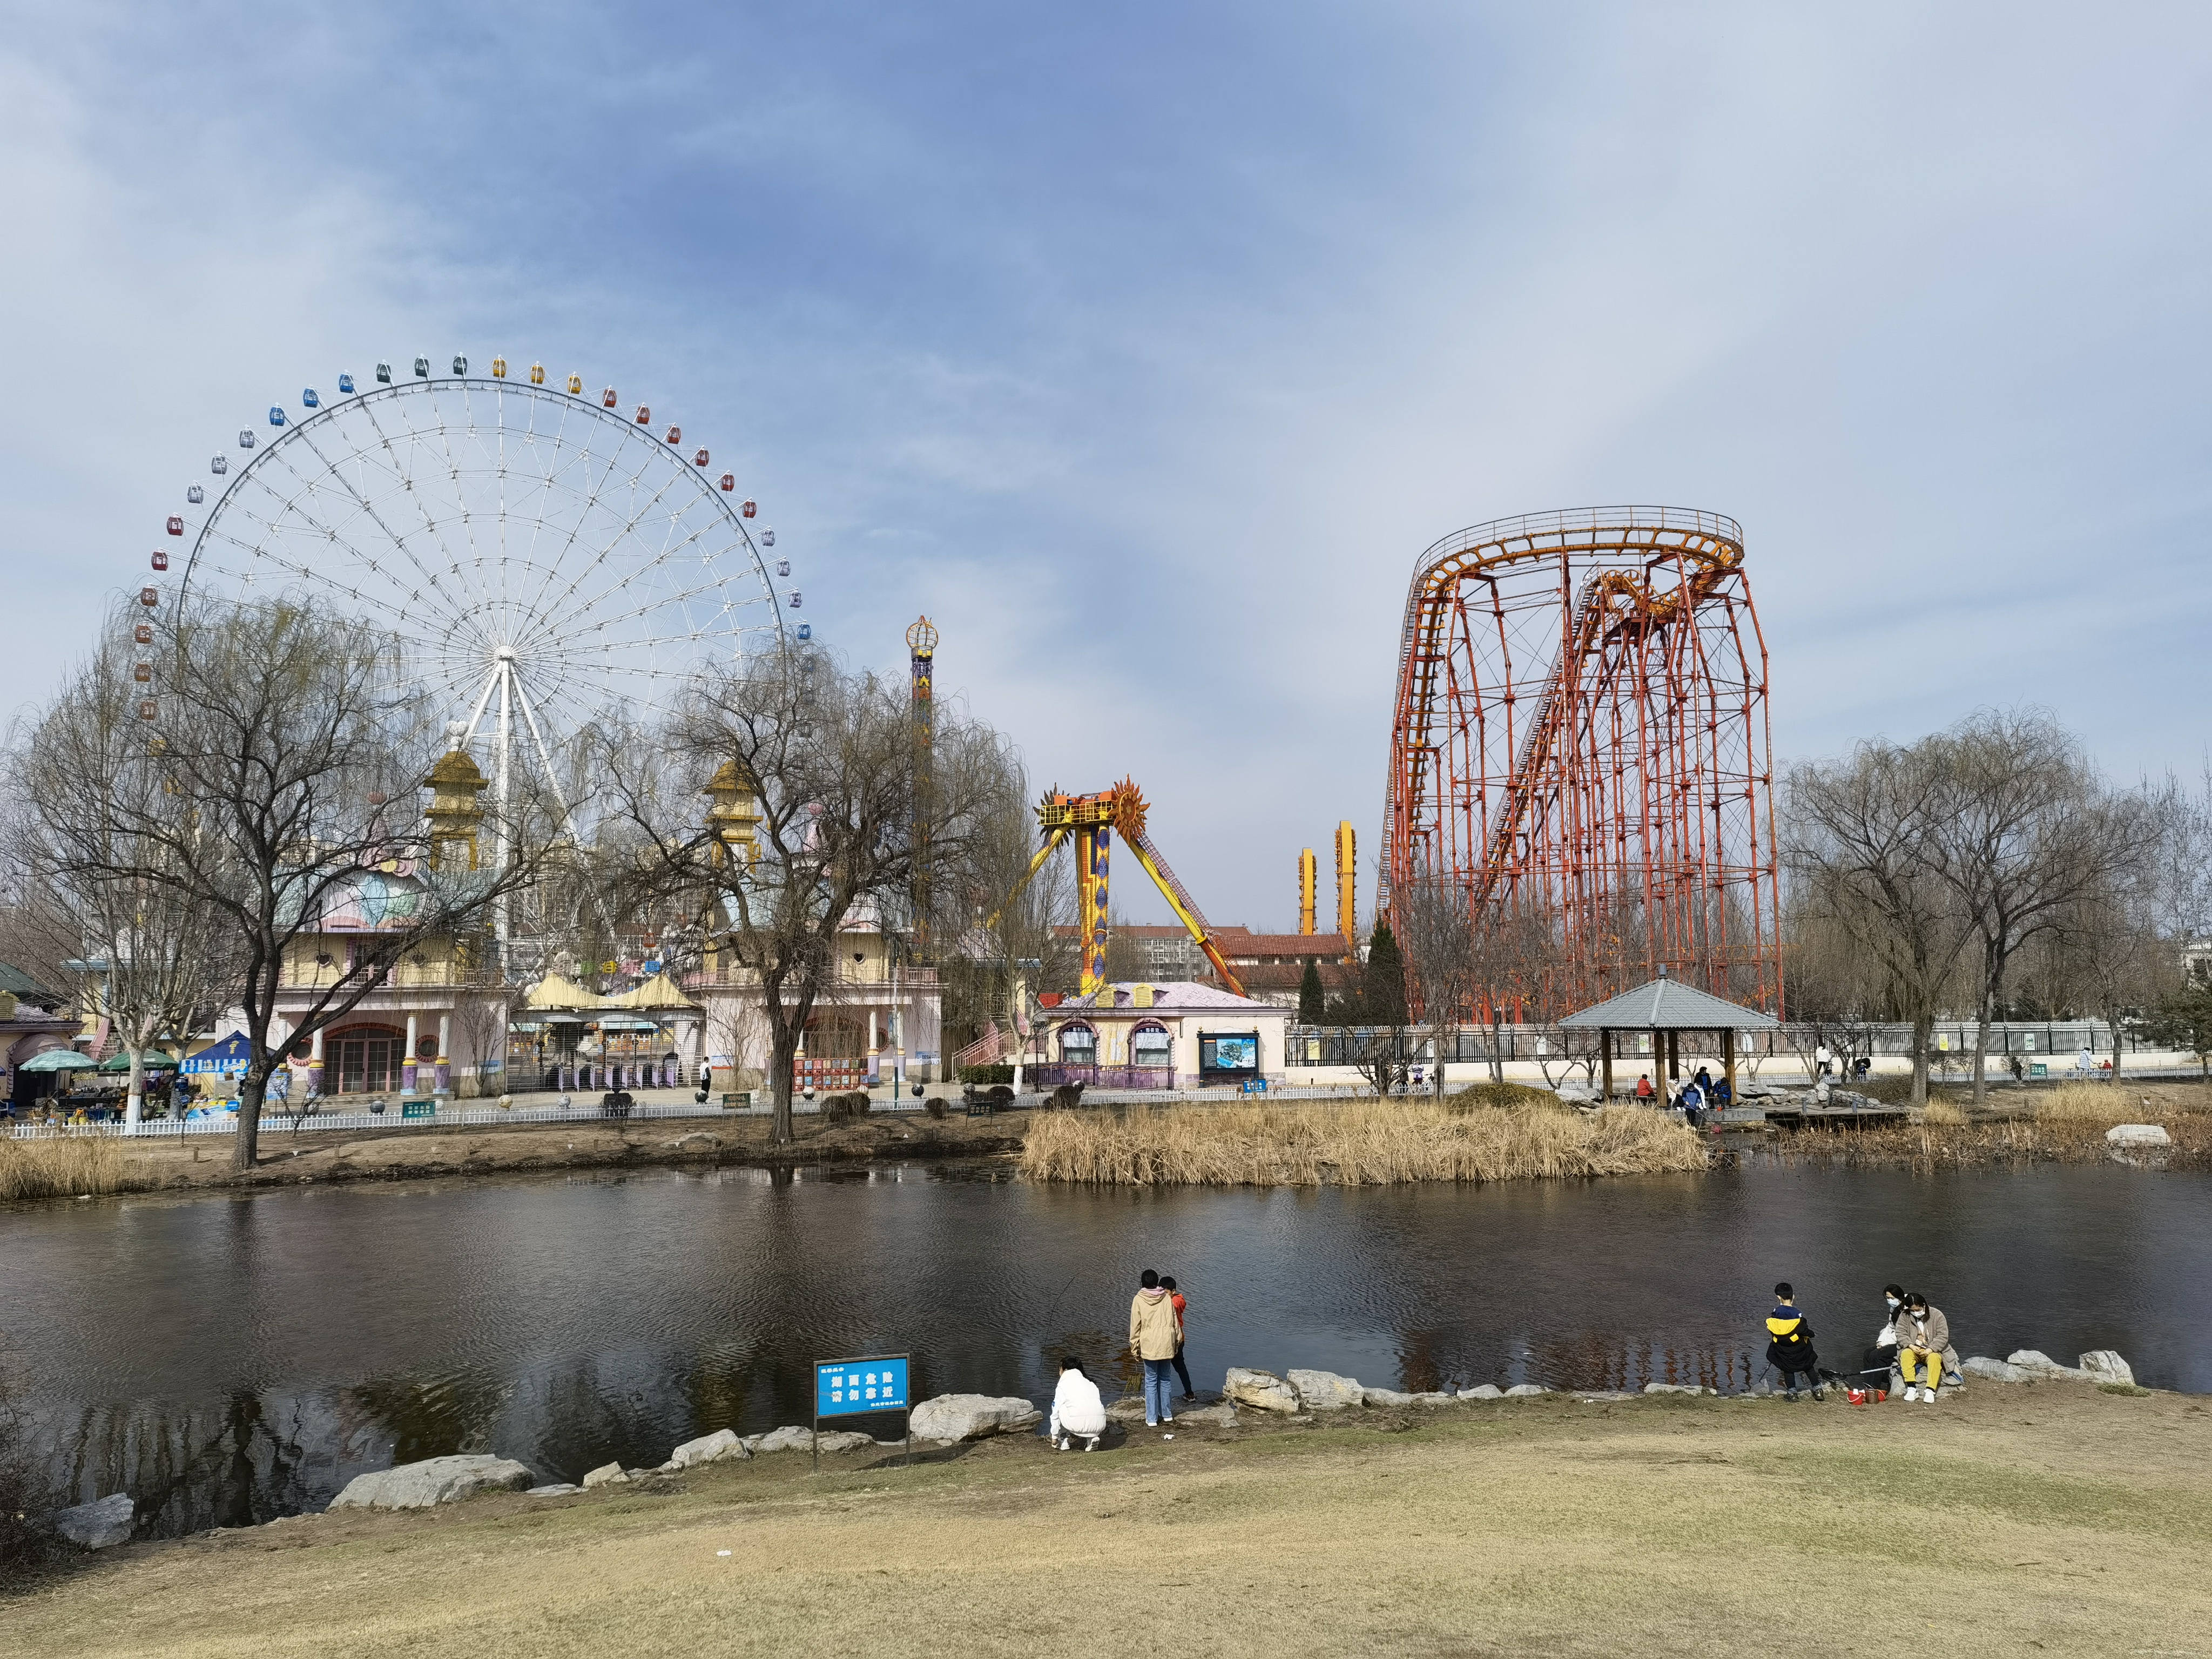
(375, 516)
(546, 610)
(588, 502)
(403, 475)
(666, 557)
(658, 603)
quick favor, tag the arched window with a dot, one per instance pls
(1150, 1045)
(1079, 1045)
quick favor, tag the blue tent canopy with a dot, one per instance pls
(231, 1054)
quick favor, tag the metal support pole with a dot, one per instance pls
(1605, 1048)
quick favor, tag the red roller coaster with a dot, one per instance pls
(1580, 756)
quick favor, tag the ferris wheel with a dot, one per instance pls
(541, 554)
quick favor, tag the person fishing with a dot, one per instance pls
(1789, 1344)
(1077, 1410)
(1881, 1359)
(1922, 1335)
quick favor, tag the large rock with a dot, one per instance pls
(435, 1480)
(1995, 1371)
(559, 1489)
(1222, 1416)
(2042, 1368)
(2108, 1367)
(952, 1416)
(1485, 1391)
(1440, 1397)
(1387, 1397)
(1129, 1408)
(98, 1525)
(1526, 1390)
(1325, 1391)
(709, 1449)
(2138, 1135)
(1261, 1390)
(1673, 1387)
(607, 1475)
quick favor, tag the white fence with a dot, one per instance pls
(447, 1117)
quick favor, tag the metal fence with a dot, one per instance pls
(1348, 1045)
(447, 1117)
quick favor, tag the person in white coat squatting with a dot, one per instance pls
(1077, 1410)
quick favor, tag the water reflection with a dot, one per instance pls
(246, 1357)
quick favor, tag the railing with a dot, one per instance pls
(1052, 1076)
(1950, 1039)
(448, 1117)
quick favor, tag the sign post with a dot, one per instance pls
(848, 1388)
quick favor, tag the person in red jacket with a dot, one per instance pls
(1183, 1335)
(1643, 1086)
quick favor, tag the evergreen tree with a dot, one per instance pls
(1311, 1004)
(1384, 981)
(2183, 1022)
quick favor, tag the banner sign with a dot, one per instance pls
(842, 1387)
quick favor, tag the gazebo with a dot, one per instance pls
(1665, 1006)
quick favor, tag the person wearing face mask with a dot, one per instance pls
(1924, 1340)
(1881, 1360)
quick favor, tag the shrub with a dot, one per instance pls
(987, 1074)
(935, 1107)
(839, 1107)
(67, 1167)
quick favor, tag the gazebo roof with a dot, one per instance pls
(1668, 1005)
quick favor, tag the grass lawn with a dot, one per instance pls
(2048, 1518)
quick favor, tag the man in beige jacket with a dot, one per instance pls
(1155, 1334)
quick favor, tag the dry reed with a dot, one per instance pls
(1948, 1113)
(1355, 1144)
(68, 1167)
(2093, 1103)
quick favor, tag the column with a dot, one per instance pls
(874, 1063)
(1605, 1049)
(407, 1066)
(315, 1062)
(444, 1084)
(1728, 1060)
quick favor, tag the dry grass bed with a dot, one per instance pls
(73, 1168)
(1359, 1144)
(2046, 1519)
(2064, 1124)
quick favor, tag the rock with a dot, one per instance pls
(1387, 1397)
(607, 1475)
(1325, 1391)
(98, 1525)
(792, 1436)
(951, 1417)
(709, 1449)
(671, 1466)
(433, 1481)
(2138, 1135)
(1261, 1390)
(1222, 1416)
(1526, 1390)
(1441, 1397)
(561, 1490)
(1607, 1397)
(2108, 1367)
(1673, 1388)
(2042, 1368)
(1129, 1408)
(1995, 1371)
(1484, 1391)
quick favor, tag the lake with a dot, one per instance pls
(232, 1358)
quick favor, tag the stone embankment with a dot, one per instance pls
(1294, 1397)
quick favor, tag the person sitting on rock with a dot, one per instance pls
(1883, 1357)
(1923, 1335)
(1789, 1344)
(1077, 1410)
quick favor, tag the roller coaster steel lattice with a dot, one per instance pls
(1581, 754)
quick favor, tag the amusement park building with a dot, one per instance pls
(1132, 1035)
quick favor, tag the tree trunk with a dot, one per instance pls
(245, 1151)
(2112, 1022)
(1497, 1044)
(783, 1048)
(134, 1104)
(1923, 1034)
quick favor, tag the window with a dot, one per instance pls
(1150, 1045)
(1079, 1045)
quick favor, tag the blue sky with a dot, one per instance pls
(1145, 346)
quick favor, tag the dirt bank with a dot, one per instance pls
(152, 1164)
(2046, 1518)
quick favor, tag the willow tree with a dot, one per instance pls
(277, 784)
(778, 801)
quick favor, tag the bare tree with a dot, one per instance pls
(814, 770)
(2023, 835)
(277, 784)
(1861, 852)
(1444, 948)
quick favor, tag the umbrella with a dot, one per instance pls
(120, 1061)
(57, 1059)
